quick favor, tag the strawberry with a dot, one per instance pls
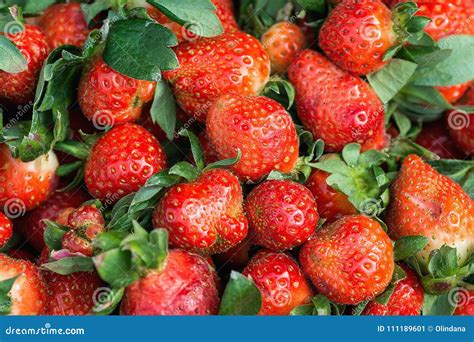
(332, 204)
(108, 97)
(453, 93)
(224, 11)
(233, 62)
(283, 41)
(236, 257)
(28, 293)
(257, 126)
(465, 305)
(280, 280)
(282, 214)
(210, 153)
(185, 286)
(406, 299)
(86, 222)
(64, 24)
(6, 229)
(435, 137)
(461, 125)
(349, 260)
(32, 227)
(121, 161)
(358, 34)
(20, 88)
(22, 253)
(427, 203)
(334, 105)
(25, 185)
(205, 215)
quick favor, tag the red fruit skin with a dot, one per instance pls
(186, 286)
(64, 24)
(75, 243)
(28, 293)
(283, 41)
(234, 62)
(335, 106)
(280, 280)
(427, 203)
(465, 305)
(260, 127)
(31, 225)
(20, 88)
(224, 11)
(74, 294)
(349, 260)
(108, 97)
(24, 186)
(6, 229)
(332, 205)
(236, 257)
(204, 216)
(453, 93)
(282, 214)
(84, 216)
(435, 137)
(406, 299)
(357, 34)
(121, 161)
(461, 125)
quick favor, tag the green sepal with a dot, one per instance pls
(241, 296)
(319, 306)
(53, 234)
(70, 265)
(5, 299)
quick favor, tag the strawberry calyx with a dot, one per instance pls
(407, 26)
(5, 298)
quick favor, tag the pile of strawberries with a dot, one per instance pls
(233, 158)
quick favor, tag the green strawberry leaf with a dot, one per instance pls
(34, 6)
(53, 234)
(163, 109)
(140, 49)
(408, 246)
(357, 310)
(224, 162)
(186, 170)
(241, 296)
(388, 81)
(11, 59)
(106, 301)
(108, 240)
(439, 305)
(455, 69)
(5, 299)
(280, 90)
(402, 147)
(197, 16)
(70, 265)
(115, 268)
(92, 10)
(196, 148)
(443, 262)
(303, 310)
(461, 171)
(385, 296)
(313, 5)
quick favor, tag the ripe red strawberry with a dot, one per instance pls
(282, 214)
(20, 88)
(233, 62)
(28, 293)
(205, 215)
(108, 97)
(6, 229)
(336, 106)
(357, 34)
(186, 286)
(454, 92)
(32, 227)
(121, 161)
(465, 305)
(64, 24)
(224, 11)
(427, 203)
(283, 41)
(349, 260)
(461, 125)
(435, 137)
(406, 299)
(332, 204)
(281, 282)
(258, 126)
(24, 186)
